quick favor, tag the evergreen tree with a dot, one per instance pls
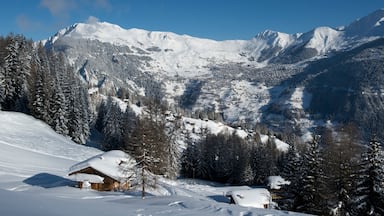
(16, 68)
(222, 157)
(41, 85)
(292, 172)
(58, 112)
(264, 161)
(2, 89)
(193, 163)
(311, 196)
(340, 152)
(172, 148)
(112, 126)
(239, 152)
(78, 118)
(369, 197)
(247, 176)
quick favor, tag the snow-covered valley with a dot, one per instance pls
(245, 82)
(212, 101)
(34, 165)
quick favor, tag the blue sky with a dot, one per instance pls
(214, 19)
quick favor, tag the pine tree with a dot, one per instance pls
(312, 200)
(11, 69)
(263, 162)
(2, 89)
(78, 118)
(341, 151)
(190, 160)
(292, 172)
(239, 154)
(77, 102)
(40, 85)
(16, 68)
(247, 176)
(112, 126)
(172, 149)
(369, 197)
(58, 112)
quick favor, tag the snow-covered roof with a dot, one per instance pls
(276, 182)
(257, 198)
(112, 163)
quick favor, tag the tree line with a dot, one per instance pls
(148, 137)
(333, 173)
(39, 82)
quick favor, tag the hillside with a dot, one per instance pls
(245, 82)
(196, 108)
(33, 172)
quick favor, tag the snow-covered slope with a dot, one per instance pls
(175, 53)
(244, 81)
(171, 53)
(34, 163)
(324, 39)
(371, 25)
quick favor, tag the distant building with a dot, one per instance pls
(257, 198)
(105, 172)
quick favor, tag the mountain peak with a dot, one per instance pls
(114, 34)
(371, 25)
(96, 30)
(275, 38)
(323, 39)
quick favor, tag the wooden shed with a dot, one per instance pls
(109, 171)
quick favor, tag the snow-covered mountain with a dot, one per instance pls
(372, 25)
(177, 53)
(245, 81)
(34, 163)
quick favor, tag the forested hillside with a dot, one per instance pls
(41, 83)
(220, 119)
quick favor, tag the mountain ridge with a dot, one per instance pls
(244, 81)
(323, 39)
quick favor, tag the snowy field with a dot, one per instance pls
(34, 163)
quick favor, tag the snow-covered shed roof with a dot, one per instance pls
(276, 182)
(257, 198)
(112, 163)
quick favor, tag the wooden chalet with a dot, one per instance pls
(109, 171)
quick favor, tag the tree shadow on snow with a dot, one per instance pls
(47, 180)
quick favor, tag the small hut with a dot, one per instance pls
(104, 172)
(256, 198)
